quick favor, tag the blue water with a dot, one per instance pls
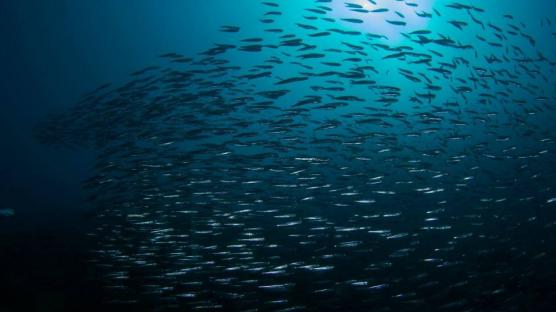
(54, 51)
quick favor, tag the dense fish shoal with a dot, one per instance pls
(321, 167)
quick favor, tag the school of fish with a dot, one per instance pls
(324, 168)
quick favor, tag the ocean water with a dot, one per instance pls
(277, 155)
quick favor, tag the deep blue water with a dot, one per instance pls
(55, 51)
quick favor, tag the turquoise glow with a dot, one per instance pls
(376, 22)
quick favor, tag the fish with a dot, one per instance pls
(352, 20)
(291, 80)
(227, 28)
(7, 212)
(397, 23)
(458, 24)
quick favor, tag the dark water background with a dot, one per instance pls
(52, 52)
